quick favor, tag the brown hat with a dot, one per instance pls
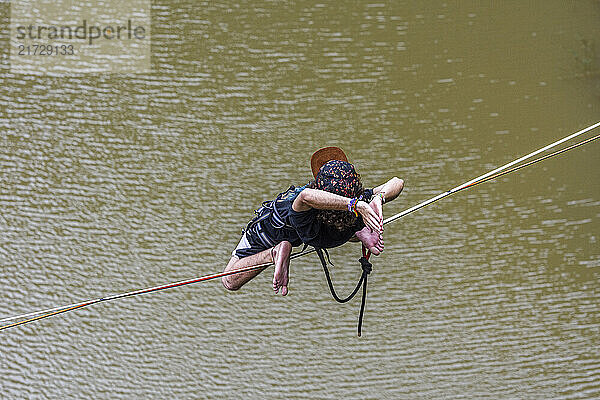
(323, 155)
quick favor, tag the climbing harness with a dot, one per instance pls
(365, 264)
(268, 213)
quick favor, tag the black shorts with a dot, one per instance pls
(253, 241)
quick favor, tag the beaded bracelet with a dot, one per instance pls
(382, 195)
(352, 206)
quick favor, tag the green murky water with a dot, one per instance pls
(110, 183)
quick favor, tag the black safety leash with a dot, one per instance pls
(366, 266)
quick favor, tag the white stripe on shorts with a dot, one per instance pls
(243, 244)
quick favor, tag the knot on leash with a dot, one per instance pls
(366, 266)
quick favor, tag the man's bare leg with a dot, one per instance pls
(282, 267)
(236, 281)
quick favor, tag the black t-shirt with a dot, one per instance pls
(304, 227)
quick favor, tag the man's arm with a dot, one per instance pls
(322, 200)
(391, 188)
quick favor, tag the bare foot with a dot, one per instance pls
(281, 257)
(372, 240)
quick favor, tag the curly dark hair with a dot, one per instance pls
(338, 219)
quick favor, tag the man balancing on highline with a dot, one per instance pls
(327, 212)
